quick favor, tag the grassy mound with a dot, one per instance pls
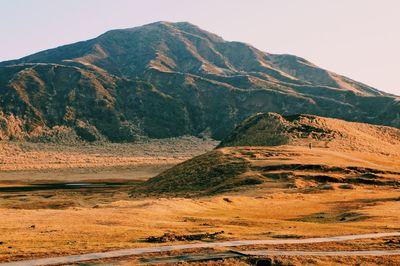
(207, 174)
(271, 129)
(303, 152)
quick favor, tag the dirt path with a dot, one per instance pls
(140, 251)
(321, 253)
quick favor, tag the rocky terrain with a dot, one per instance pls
(169, 79)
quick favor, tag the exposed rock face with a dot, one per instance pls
(170, 79)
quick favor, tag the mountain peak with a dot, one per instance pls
(168, 79)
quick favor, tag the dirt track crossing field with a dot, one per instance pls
(140, 251)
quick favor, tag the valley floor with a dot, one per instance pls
(38, 220)
(30, 162)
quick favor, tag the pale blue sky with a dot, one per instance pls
(357, 38)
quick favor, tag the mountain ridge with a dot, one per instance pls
(169, 79)
(94, 46)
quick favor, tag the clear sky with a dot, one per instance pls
(357, 38)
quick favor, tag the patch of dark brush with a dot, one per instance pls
(323, 217)
(287, 236)
(171, 237)
(321, 178)
(283, 175)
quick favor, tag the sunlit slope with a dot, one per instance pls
(298, 153)
(169, 79)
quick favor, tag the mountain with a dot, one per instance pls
(169, 79)
(269, 151)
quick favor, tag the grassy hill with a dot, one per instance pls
(269, 152)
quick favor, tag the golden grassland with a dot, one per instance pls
(25, 161)
(18, 156)
(86, 220)
(71, 222)
(125, 223)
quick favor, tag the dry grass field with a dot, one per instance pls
(25, 161)
(58, 200)
(44, 223)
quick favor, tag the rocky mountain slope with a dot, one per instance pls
(169, 79)
(269, 151)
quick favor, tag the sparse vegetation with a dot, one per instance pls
(171, 237)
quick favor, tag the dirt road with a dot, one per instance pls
(140, 251)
